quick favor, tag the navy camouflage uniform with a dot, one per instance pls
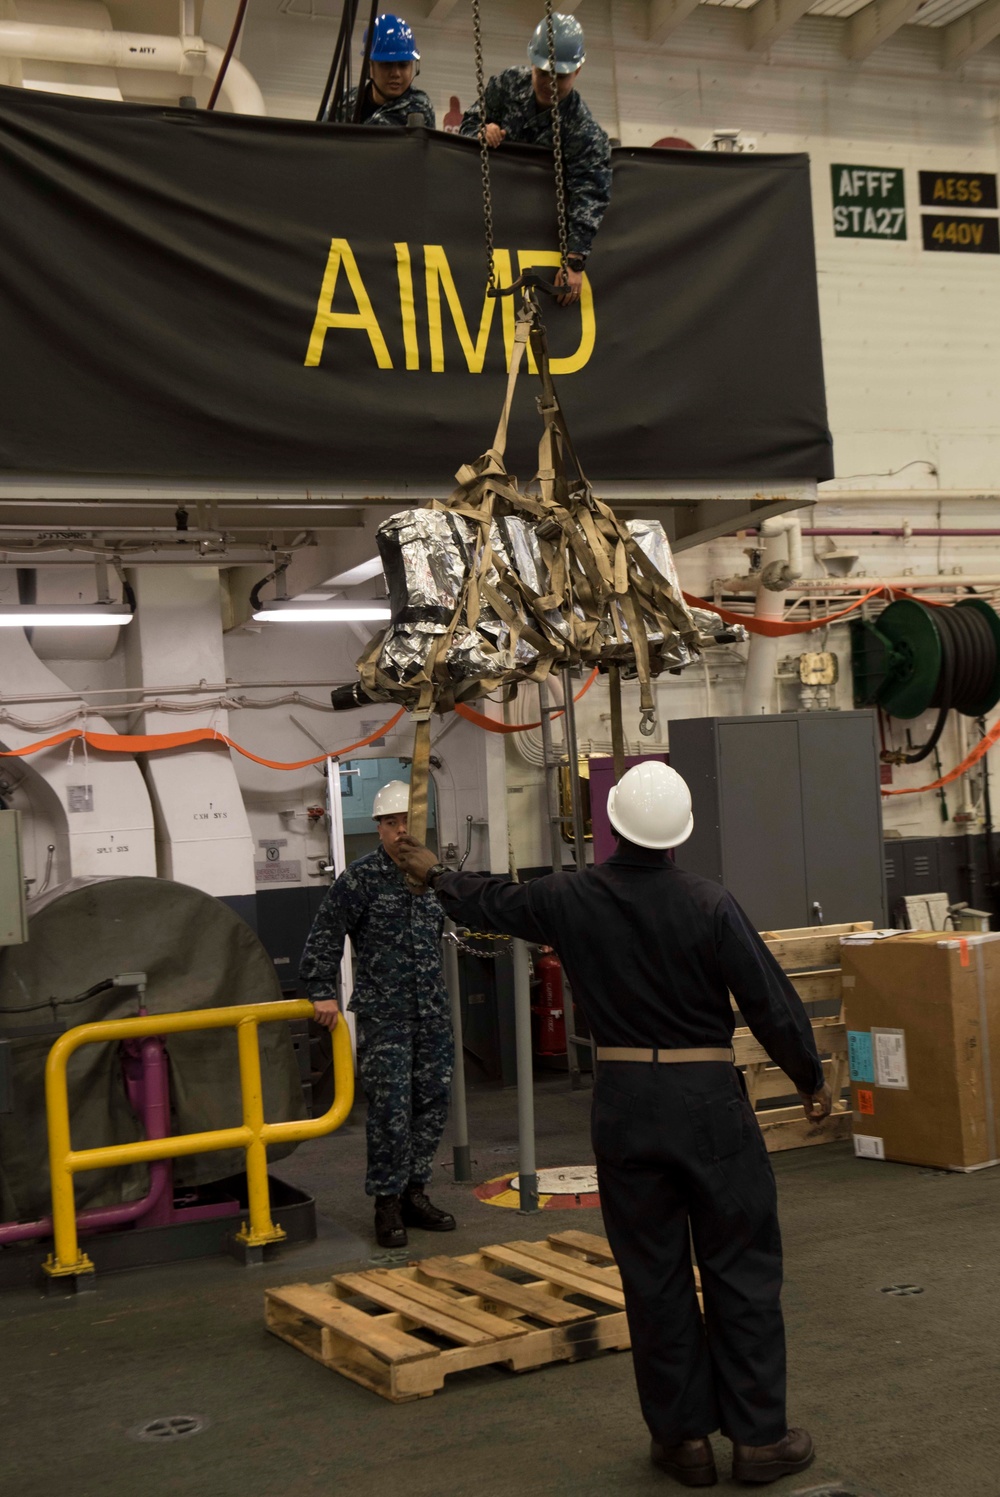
(510, 103)
(400, 1004)
(394, 112)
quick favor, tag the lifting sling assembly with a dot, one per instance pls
(604, 599)
(514, 583)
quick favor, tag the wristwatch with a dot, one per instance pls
(576, 262)
(433, 874)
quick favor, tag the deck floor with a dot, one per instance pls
(899, 1392)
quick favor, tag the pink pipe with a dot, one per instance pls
(896, 531)
(151, 1085)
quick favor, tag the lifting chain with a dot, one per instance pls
(484, 150)
(557, 150)
(462, 938)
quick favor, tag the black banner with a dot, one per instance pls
(218, 297)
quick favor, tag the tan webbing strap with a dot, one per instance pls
(662, 1057)
(419, 775)
(617, 729)
(521, 334)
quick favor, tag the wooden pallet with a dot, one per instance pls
(401, 1331)
(811, 957)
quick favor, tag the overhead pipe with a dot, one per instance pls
(898, 532)
(879, 496)
(859, 582)
(188, 56)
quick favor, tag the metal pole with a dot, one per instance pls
(573, 755)
(527, 1174)
(338, 862)
(551, 779)
(460, 1151)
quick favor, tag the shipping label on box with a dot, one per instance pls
(861, 1058)
(889, 1046)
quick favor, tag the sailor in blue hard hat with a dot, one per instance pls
(517, 106)
(390, 98)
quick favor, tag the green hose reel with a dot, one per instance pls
(899, 658)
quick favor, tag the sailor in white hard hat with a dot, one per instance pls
(652, 954)
(400, 1003)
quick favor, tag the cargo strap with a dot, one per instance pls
(663, 1057)
(594, 568)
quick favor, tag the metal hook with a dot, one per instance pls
(647, 723)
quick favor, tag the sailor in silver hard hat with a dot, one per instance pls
(517, 106)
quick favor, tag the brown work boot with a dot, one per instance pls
(691, 1463)
(389, 1229)
(420, 1212)
(762, 1463)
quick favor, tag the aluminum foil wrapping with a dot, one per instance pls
(672, 650)
(710, 626)
(426, 555)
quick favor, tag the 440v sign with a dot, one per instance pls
(868, 202)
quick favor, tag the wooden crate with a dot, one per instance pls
(811, 957)
(401, 1331)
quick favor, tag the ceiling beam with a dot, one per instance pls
(666, 15)
(970, 33)
(874, 24)
(770, 19)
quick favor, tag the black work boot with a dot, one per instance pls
(419, 1212)
(389, 1229)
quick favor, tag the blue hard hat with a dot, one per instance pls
(392, 41)
(570, 51)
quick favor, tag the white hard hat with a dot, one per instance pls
(392, 800)
(651, 806)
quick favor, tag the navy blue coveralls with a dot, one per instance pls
(652, 954)
(400, 1004)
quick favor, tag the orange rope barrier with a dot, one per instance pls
(481, 721)
(974, 757)
(777, 628)
(151, 743)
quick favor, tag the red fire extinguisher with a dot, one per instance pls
(548, 1011)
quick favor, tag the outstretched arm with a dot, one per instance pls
(493, 901)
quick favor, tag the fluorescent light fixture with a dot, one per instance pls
(61, 615)
(365, 571)
(330, 611)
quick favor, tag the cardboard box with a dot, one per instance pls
(923, 1020)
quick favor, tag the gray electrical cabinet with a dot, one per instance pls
(13, 915)
(787, 814)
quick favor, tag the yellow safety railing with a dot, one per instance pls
(254, 1135)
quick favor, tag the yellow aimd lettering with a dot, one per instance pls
(574, 362)
(407, 306)
(326, 318)
(438, 276)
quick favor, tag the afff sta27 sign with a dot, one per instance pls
(868, 202)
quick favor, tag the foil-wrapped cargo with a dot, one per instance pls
(478, 605)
